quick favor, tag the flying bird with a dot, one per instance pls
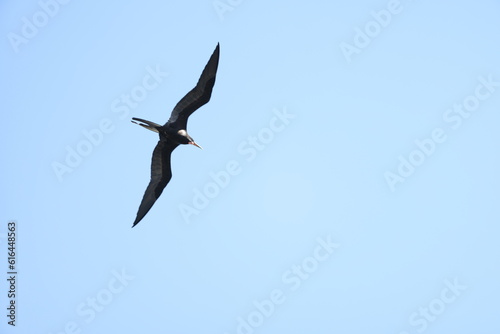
(173, 133)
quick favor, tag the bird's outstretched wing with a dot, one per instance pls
(198, 96)
(161, 173)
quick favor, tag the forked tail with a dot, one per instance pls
(146, 124)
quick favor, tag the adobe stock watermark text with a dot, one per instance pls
(453, 118)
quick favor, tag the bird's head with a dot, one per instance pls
(185, 138)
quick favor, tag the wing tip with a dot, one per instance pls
(136, 221)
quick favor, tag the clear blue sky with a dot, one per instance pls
(348, 182)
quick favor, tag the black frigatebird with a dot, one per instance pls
(173, 133)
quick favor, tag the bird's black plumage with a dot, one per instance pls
(173, 133)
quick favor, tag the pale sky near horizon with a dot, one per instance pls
(348, 181)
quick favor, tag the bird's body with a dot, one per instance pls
(174, 133)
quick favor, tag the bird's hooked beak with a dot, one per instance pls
(193, 143)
